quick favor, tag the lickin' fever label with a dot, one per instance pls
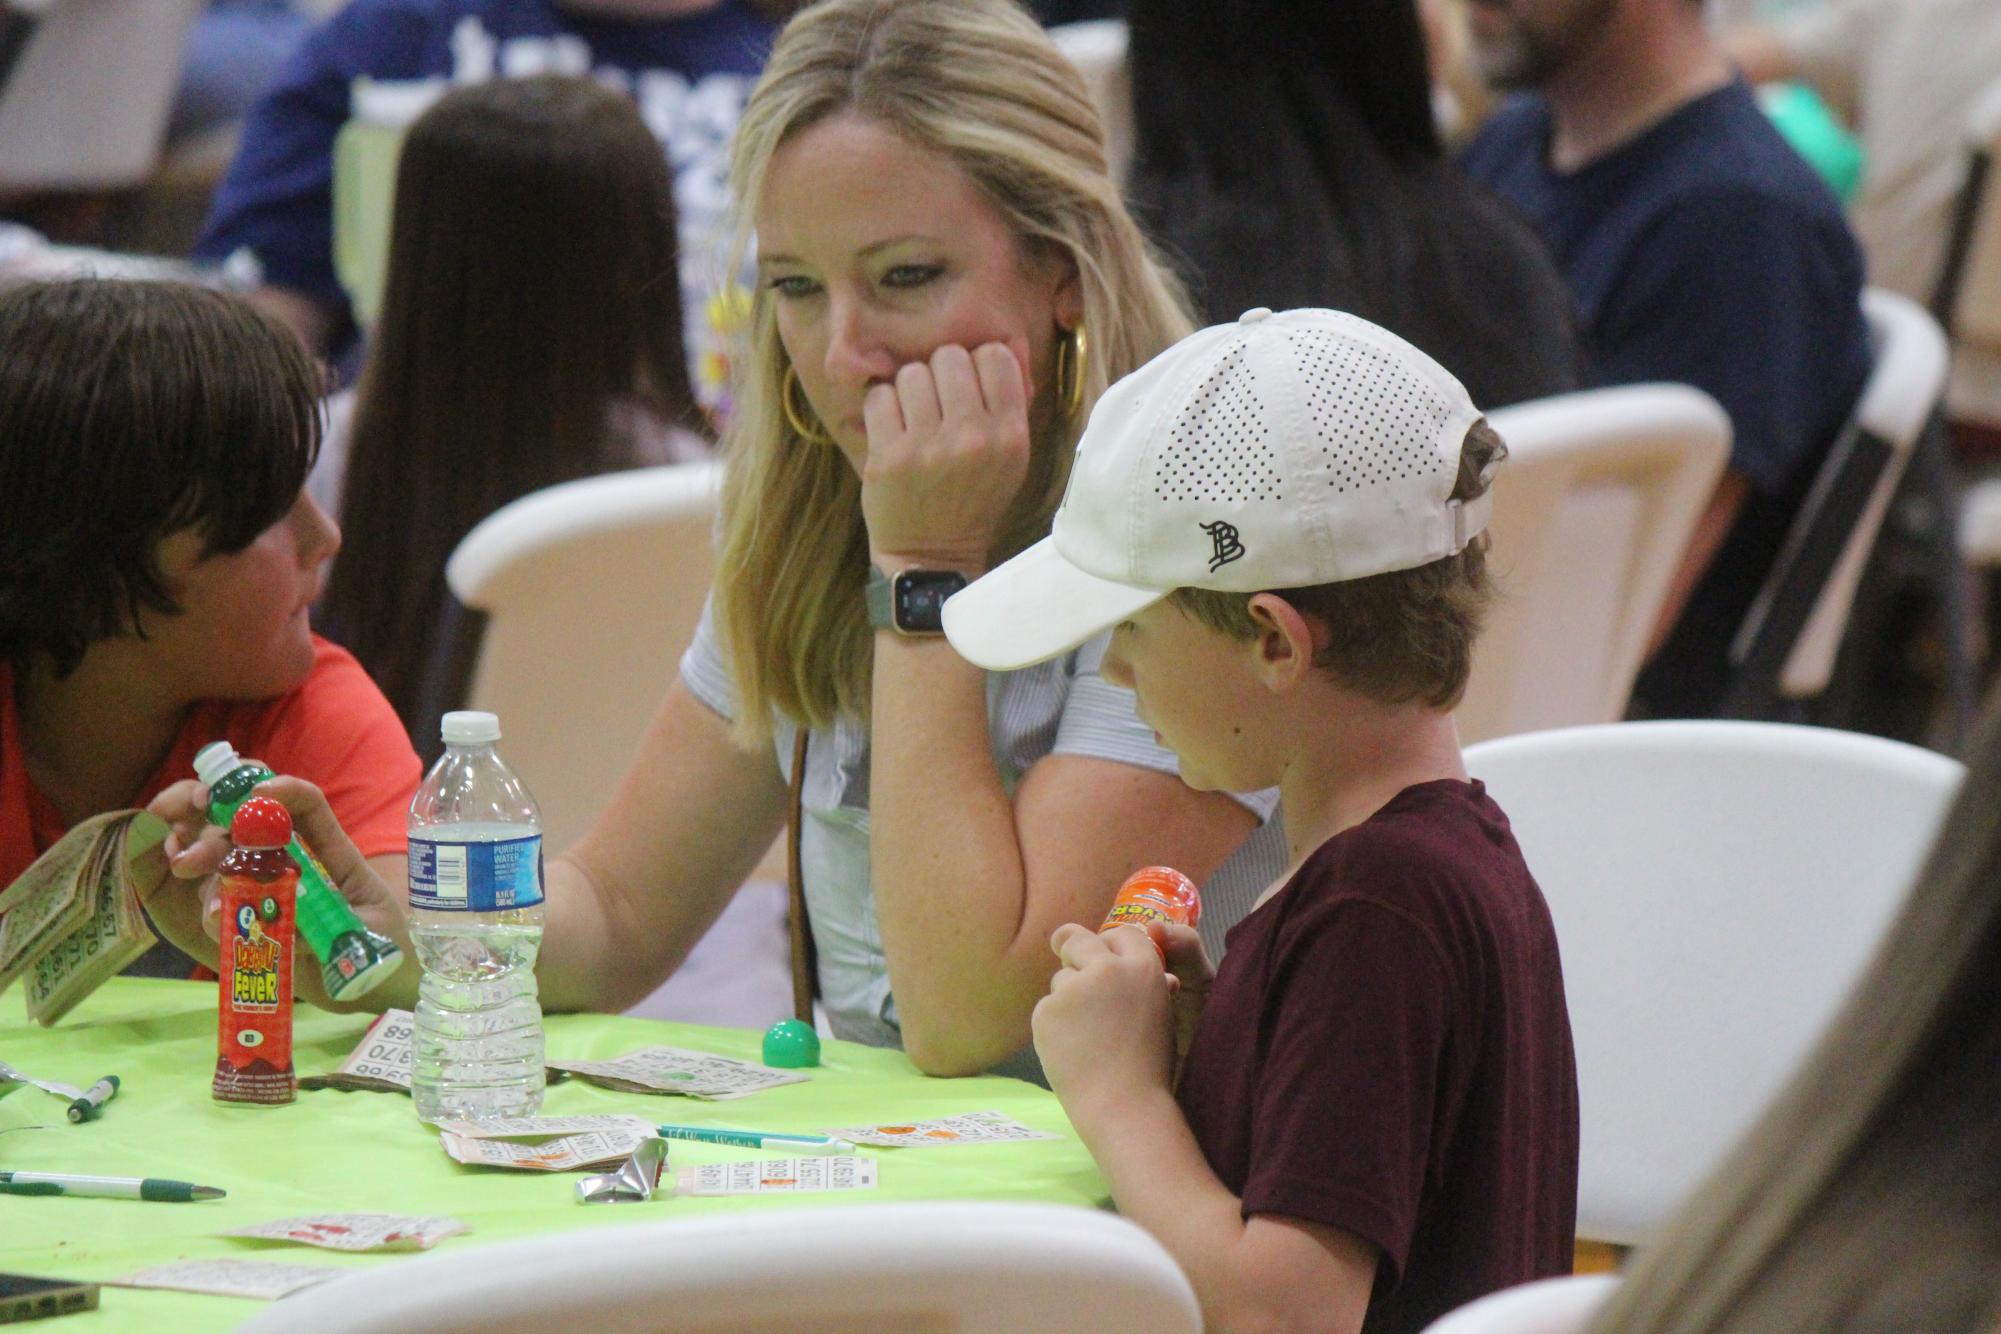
(254, 1029)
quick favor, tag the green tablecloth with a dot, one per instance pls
(349, 1151)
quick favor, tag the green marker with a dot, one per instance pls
(353, 959)
(92, 1099)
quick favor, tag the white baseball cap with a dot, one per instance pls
(1281, 451)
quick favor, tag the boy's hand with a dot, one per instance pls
(948, 446)
(1188, 965)
(1104, 1029)
(186, 906)
(192, 850)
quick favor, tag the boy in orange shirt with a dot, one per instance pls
(158, 558)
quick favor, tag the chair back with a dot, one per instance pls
(931, 1268)
(366, 151)
(1097, 47)
(1717, 888)
(1592, 512)
(1787, 644)
(1980, 524)
(84, 104)
(590, 590)
(1967, 299)
(1552, 1306)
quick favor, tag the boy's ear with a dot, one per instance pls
(1286, 642)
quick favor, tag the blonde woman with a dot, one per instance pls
(947, 281)
(1869, 1196)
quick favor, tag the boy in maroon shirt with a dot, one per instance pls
(1375, 1119)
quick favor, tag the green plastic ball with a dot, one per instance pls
(790, 1044)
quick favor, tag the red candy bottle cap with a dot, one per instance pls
(260, 823)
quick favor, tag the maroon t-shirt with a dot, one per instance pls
(1386, 1050)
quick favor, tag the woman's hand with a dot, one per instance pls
(186, 906)
(1104, 1030)
(948, 446)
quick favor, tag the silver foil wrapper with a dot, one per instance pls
(630, 1184)
(11, 1079)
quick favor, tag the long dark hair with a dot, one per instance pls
(532, 288)
(1286, 154)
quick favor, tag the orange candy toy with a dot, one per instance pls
(1155, 894)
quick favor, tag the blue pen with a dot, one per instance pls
(93, 1099)
(808, 1146)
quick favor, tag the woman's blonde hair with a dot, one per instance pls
(1869, 1196)
(978, 82)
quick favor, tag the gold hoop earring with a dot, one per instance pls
(809, 426)
(1071, 351)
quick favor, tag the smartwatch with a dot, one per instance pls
(911, 602)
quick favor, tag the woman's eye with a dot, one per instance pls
(792, 285)
(910, 275)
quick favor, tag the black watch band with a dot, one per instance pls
(911, 602)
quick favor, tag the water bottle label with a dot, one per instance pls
(476, 877)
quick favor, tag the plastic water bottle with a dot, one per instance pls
(476, 922)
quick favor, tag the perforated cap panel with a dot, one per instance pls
(1374, 422)
(1278, 451)
(1219, 448)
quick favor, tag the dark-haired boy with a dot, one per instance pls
(158, 558)
(1376, 1115)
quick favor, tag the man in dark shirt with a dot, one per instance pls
(1376, 1119)
(1700, 249)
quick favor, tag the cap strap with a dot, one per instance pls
(1469, 518)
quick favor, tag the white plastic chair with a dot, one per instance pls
(1966, 299)
(935, 1268)
(1787, 644)
(591, 591)
(365, 156)
(1551, 1306)
(1592, 513)
(1968, 303)
(1097, 47)
(1980, 523)
(84, 106)
(1717, 887)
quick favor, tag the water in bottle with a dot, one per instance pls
(476, 922)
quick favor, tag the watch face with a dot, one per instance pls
(920, 599)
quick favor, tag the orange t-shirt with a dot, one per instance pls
(334, 729)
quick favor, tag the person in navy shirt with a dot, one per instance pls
(689, 64)
(1700, 248)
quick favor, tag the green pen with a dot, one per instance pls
(808, 1146)
(109, 1188)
